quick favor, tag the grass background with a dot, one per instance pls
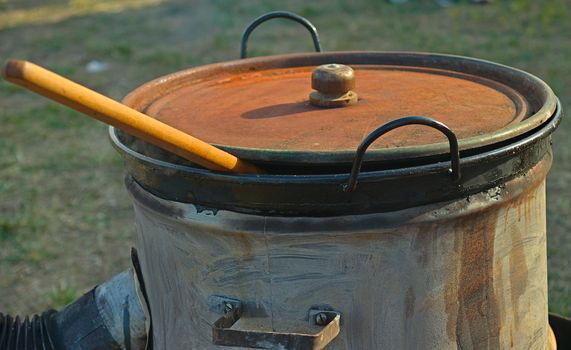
(65, 218)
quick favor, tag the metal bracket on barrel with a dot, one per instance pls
(224, 335)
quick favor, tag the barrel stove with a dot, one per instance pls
(403, 205)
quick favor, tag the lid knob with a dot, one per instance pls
(333, 83)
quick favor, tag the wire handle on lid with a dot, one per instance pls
(278, 14)
(373, 136)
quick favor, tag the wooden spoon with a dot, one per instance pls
(87, 101)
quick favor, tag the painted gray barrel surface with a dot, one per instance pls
(468, 273)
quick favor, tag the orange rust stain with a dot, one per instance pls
(245, 247)
(519, 275)
(451, 307)
(243, 242)
(270, 109)
(499, 280)
(409, 302)
(477, 324)
(529, 205)
(423, 258)
(475, 315)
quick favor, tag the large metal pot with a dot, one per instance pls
(432, 245)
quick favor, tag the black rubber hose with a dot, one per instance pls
(562, 329)
(27, 334)
(108, 317)
(78, 326)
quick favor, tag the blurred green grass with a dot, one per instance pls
(65, 219)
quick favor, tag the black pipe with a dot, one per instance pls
(110, 316)
(562, 329)
(78, 326)
(34, 333)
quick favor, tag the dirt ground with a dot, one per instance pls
(65, 218)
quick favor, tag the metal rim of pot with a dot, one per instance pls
(323, 194)
(537, 93)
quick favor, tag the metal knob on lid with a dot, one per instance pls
(333, 84)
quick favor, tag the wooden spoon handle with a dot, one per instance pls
(82, 99)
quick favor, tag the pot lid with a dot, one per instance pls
(265, 109)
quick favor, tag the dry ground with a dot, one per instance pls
(65, 218)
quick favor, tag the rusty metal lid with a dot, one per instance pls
(259, 109)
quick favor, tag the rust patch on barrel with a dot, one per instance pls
(409, 302)
(476, 315)
(517, 263)
(477, 323)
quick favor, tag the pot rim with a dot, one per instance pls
(323, 194)
(536, 92)
(436, 167)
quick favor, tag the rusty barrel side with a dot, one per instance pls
(468, 273)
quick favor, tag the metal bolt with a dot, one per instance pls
(321, 319)
(228, 307)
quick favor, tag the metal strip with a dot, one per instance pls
(223, 335)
